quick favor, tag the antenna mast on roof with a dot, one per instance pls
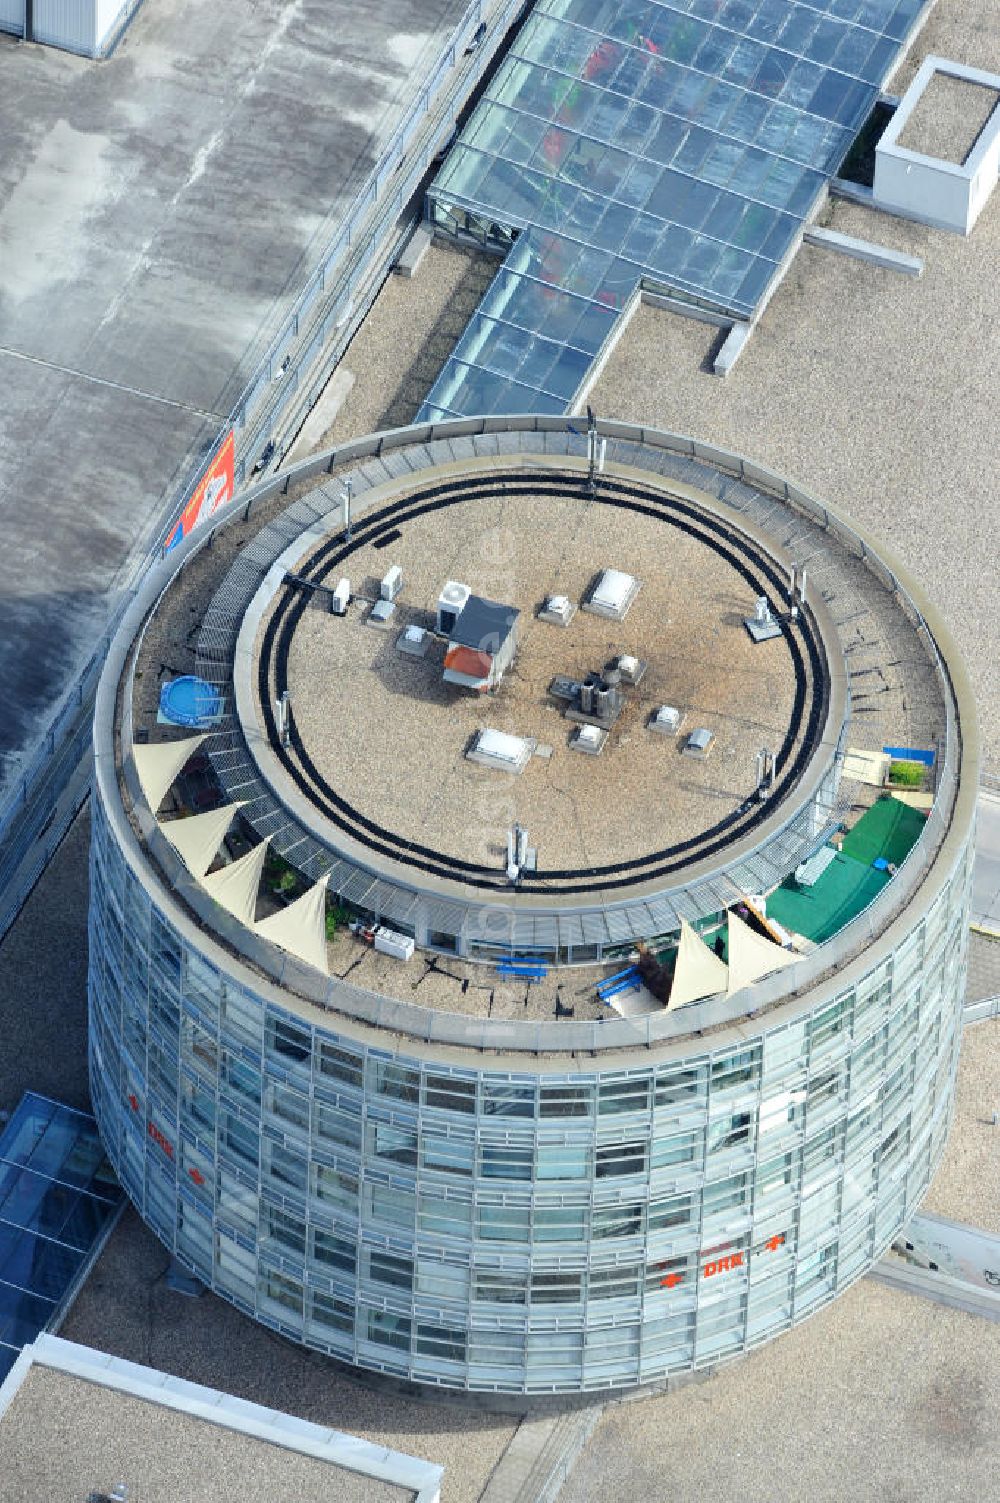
(284, 709)
(517, 853)
(595, 452)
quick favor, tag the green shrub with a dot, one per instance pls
(906, 774)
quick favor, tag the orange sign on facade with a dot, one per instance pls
(213, 490)
(157, 1137)
(724, 1262)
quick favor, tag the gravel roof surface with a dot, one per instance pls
(880, 1397)
(409, 333)
(126, 1309)
(387, 732)
(63, 1436)
(949, 117)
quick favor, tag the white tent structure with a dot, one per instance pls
(751, 956)
(301, 927)
(698, 973)
(158, 765)
(235, 886)
(197, 838)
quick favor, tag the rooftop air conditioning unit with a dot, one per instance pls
(392, 583)
(451, 603)
(497, 749)
(611, 594)
(667, 720)
(341, 597)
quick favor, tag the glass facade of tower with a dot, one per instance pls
(516, 1226)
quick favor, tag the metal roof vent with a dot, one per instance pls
(589, 739)
(666, 720)
(501, 751)
(451, 603)
(762, 626)
(558, 610)
(612, 594)
(699, 743)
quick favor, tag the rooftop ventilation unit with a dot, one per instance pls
(341, 597)
(499, 750)
(612, 594)
(559, 610)
(699, 743)
(631, 670)
(666, 720)
(451, 603)
(392, 583)
(414, 642)
(589, 739)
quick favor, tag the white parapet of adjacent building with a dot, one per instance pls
(912, 175)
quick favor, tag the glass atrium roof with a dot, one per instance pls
(58, 1195)
(681, 144)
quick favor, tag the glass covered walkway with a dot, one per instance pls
(58, 1200)
(622, 141)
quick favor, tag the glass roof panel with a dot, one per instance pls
(57, 1196)
(680, 143)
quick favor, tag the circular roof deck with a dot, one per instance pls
(380, 733)
(342, 801)
(374, 774)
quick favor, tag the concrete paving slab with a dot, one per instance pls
(158, 212)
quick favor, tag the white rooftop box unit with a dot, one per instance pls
(499, 750)
(388, 942)
(559, 610)
(451, 603)
(589, 739)
(381, 614)
(666, 720)
(611, 594)
(699, 743)
(341, 597)
(392, 583)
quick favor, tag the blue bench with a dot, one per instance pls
(524, 967)
(628, 980)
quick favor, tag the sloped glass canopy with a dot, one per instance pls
(58, 1197)
(680, 145)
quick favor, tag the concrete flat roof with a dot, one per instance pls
(159, 211)
(64, 1435)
